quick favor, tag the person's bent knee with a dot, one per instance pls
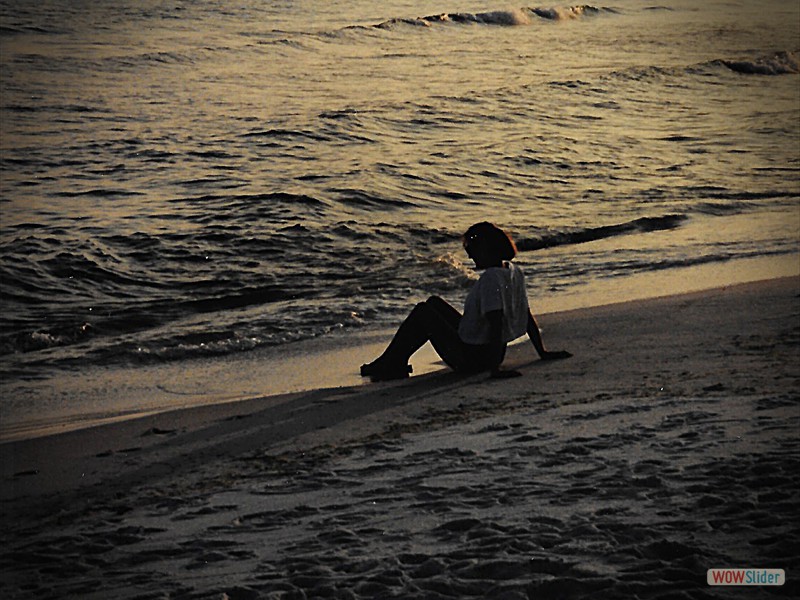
(435, 300)
(421, 306)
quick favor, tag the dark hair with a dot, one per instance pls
(494, 238)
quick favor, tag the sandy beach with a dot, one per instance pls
(668, 445)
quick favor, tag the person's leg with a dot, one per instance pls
(445, 310)
(443, 333)
(435, 321)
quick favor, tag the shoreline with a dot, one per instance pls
(102, 396)
(429, 372)
(666, 446)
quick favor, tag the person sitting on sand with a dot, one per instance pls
(496, 312)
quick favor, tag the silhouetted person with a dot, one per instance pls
(496, 312)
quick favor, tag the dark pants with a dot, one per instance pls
(436, 321)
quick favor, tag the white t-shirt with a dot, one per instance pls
(499, 288)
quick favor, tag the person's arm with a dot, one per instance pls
(497, 345)
(536, 339)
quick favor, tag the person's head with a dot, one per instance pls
(488, 245)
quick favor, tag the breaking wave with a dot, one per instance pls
(780, 63)
(582, 236)
(505, 18)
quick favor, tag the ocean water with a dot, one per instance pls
(181, 179)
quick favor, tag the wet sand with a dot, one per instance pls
(666, 446)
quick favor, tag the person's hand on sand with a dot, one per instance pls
(536, 339)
